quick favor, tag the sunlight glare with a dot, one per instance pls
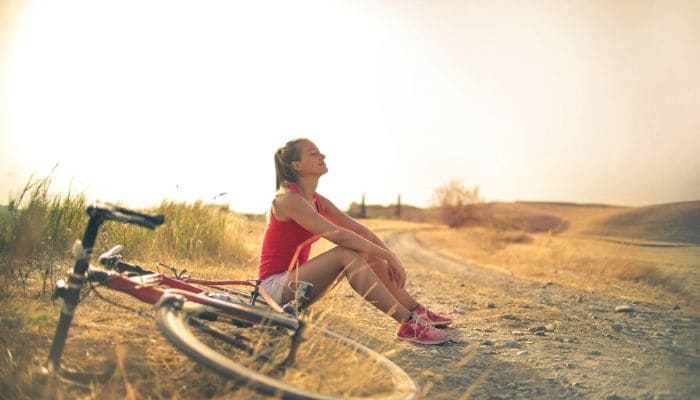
(172, 100)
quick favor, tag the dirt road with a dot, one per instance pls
(516, 338)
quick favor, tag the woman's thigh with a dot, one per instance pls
(321, 270)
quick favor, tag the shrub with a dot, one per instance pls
(456, 203)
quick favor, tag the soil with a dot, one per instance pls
(519, 339)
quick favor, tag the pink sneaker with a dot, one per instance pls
(432, 318)
(420, 331)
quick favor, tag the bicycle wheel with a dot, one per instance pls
(279, 355)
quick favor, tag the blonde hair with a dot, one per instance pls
(284, 156)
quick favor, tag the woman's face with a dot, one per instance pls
(311, 162)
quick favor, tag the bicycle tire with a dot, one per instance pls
(176, 317)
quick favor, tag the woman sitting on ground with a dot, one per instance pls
(299, 216)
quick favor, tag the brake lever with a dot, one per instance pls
(111, 256)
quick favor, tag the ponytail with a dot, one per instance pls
(283, 163)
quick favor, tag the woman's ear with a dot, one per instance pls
(296, 165)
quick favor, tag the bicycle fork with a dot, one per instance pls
(70, 294)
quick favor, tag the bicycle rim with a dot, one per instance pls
(257, 355)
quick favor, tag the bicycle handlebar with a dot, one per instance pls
(111, 212)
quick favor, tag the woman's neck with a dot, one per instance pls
(307, 186)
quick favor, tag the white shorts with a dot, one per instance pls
(274, 285)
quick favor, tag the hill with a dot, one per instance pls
(524, 216)
(673, 222)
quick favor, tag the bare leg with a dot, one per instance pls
(400, 294)
(324, 269)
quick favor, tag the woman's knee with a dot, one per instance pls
(381, 268)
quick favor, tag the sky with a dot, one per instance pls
(139, 101)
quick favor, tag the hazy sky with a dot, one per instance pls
(595, 101)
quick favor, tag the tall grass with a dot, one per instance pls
(38, 223)
(38, 229)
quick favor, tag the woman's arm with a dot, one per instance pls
(291, 205)
(342, 219)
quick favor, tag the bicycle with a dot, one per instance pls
(243, 336)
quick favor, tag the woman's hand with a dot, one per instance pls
(397, 273)
(390, 267)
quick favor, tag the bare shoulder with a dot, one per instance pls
(280, 203)
(284, 202)
(287, 198)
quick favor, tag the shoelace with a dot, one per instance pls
(423, 323)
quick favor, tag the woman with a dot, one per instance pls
(299, 216)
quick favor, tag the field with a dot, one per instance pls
(586, 254)
(533, 290)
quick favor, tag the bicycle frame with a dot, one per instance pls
(149, 289)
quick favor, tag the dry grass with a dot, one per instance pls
(572, 261)
(38, 228)
(573, 258)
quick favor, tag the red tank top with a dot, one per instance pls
(281, 241)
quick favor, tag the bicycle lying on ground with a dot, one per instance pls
(242, 335)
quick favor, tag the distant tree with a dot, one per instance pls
(398, 206)
(354, 210)
(363, 208)
(456, 203)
